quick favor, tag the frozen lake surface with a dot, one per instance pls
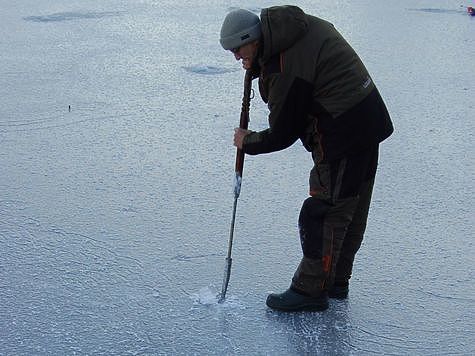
(115, 214)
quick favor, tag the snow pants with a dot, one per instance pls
(332, 220)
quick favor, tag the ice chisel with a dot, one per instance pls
(243, 124)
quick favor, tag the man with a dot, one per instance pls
(317, 90)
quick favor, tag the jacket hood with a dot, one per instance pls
(282, 26)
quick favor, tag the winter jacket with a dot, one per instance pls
(316, 88)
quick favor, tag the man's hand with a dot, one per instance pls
(239, 135)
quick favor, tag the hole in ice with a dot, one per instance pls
(210, 296)
(209, 70)
(67, 16)
(438, 11)
(206, 296)
(184, 258)
(256, 10)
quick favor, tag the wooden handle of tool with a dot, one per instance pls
(243, 123)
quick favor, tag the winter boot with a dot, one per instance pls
(339, 291)
(292, 301)
(306, 291)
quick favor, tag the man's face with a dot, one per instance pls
(247, 53)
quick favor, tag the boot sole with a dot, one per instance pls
(301, 307)
(338, 293)
(338, 296)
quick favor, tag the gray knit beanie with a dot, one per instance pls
(240, 27)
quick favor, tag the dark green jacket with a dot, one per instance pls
(316, 87)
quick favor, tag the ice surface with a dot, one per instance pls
(114, 217)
